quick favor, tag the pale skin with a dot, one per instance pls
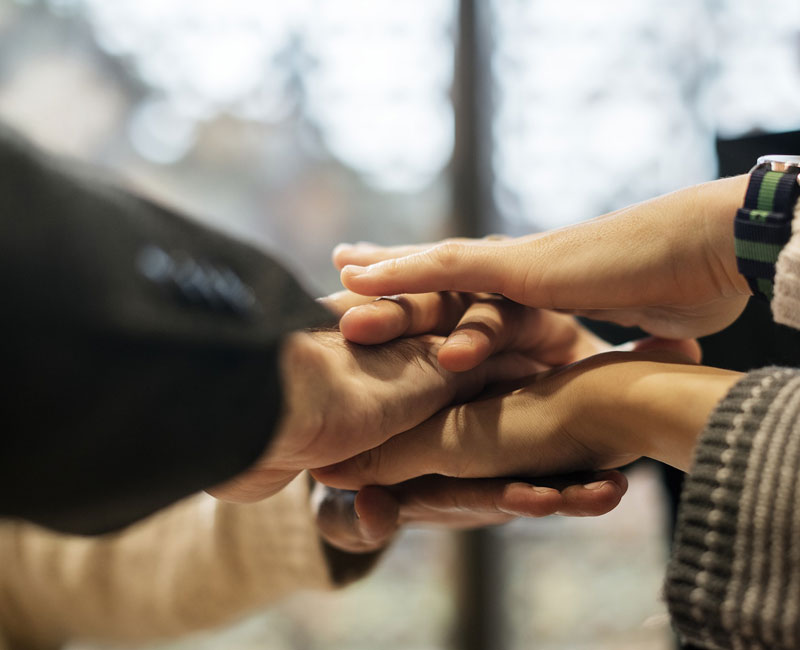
(666, 265)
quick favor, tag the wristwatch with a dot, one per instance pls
(763, 225)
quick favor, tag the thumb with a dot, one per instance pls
(355, 522)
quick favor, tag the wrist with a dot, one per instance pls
(668, 407)
(718, 202)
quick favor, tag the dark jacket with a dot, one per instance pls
(139, 349)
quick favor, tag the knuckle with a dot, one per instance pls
(447, 254)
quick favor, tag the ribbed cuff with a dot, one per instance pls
(786, 300)
(734, 578)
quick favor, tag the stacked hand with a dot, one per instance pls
(667, 265)
(548, 339)
(384, 420)
(341, 399)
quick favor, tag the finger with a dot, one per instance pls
(378, 512)
(364, 253)
(494, 324)
(488, 325)
(340, 523)
(492, 266)
(469, 503)
(390, 317)
(465, 503)
(341, 301)
(594, 498)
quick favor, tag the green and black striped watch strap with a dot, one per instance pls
(763, 225)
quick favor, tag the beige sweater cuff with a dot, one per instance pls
(196, 565)
(786, 301)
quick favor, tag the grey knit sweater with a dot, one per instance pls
(734, 579)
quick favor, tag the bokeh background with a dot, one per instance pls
(299, 124)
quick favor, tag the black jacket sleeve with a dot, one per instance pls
(139, 349)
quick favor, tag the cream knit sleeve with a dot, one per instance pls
(196, 565)
(786, 301)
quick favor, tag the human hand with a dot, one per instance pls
(603, 412)
(367, 520)
(341, 399)
(476, 326)
(667, 265)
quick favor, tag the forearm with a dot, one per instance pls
(197, 565)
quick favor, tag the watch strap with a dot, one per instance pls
(763, 226)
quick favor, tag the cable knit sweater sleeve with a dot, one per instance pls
(734, 578)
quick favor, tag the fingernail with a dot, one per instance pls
(459, 338)
(542, 490)
(596, 485)
(344, 246)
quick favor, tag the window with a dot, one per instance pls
(305, 123)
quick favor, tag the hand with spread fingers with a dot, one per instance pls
(667, 265)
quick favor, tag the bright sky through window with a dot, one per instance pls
(371, 77)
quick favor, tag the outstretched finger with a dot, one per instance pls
(474, 266)
(364, 253)
(473, 502)
(590, 494)
(367, 520)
